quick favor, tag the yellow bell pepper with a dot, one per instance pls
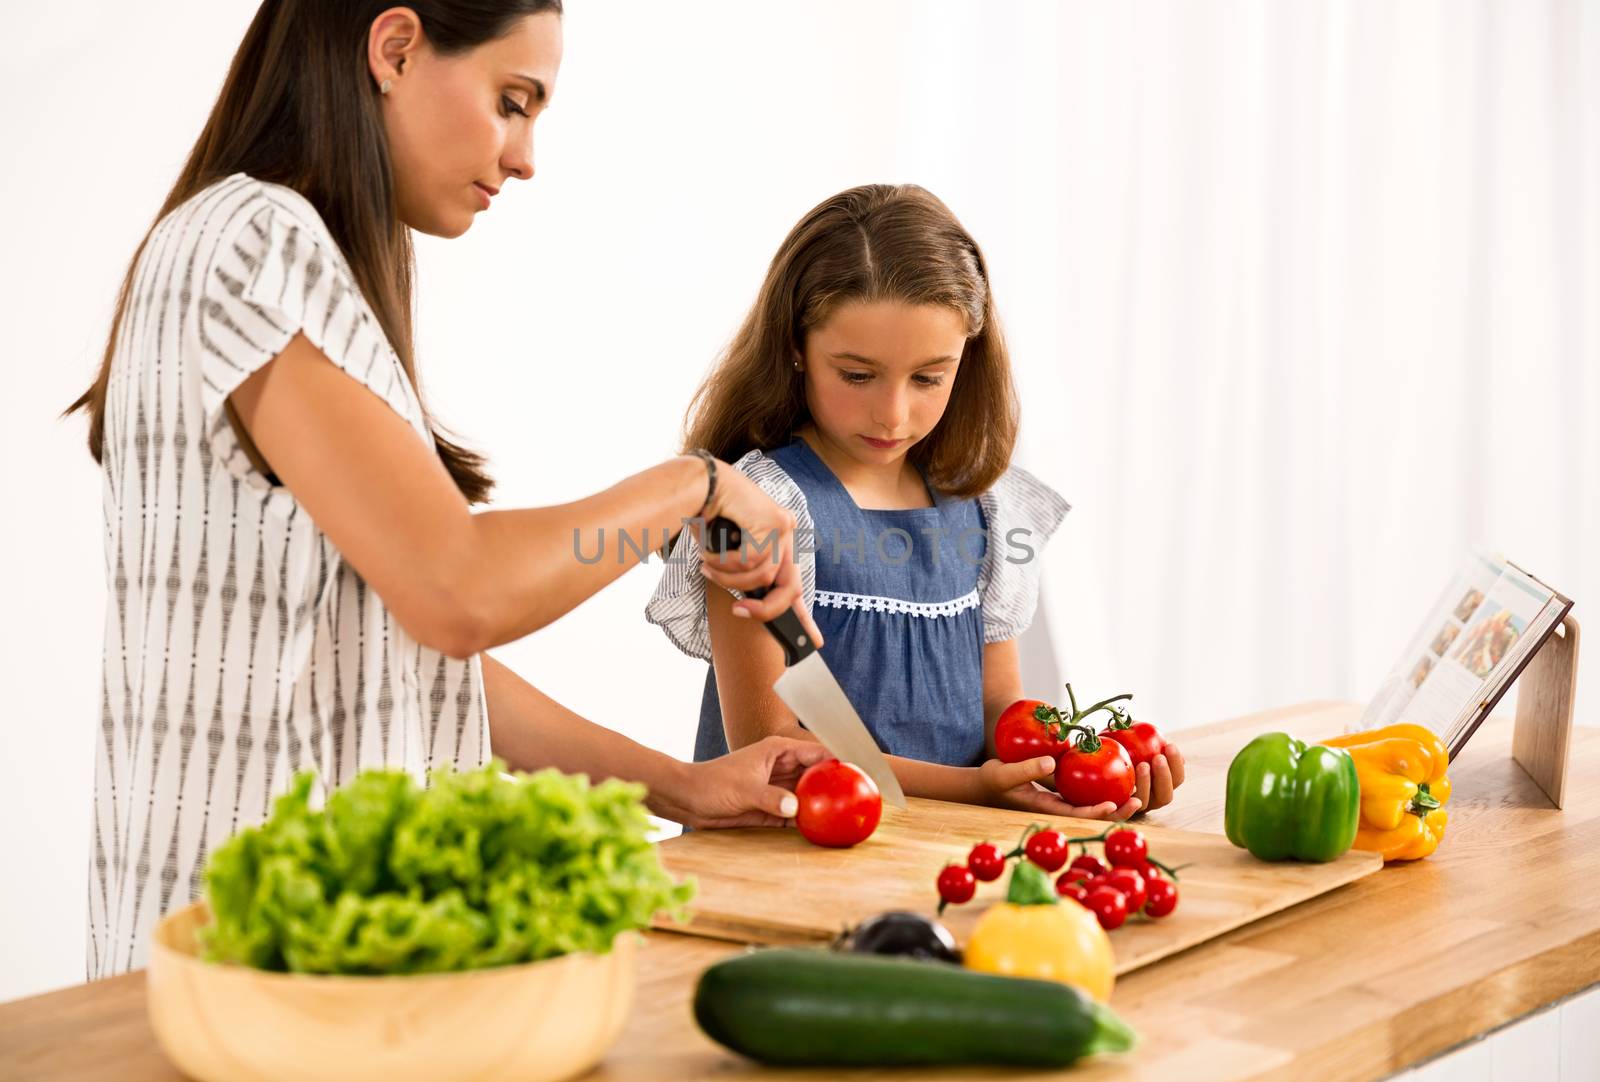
(1036, 934)
(1401, 769)
(1062, 942)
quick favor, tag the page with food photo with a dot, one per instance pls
(1510, 623)
(1430, 686)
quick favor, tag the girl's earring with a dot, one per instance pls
(383, 88)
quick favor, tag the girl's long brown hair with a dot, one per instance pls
(878, 242)
(299, 108)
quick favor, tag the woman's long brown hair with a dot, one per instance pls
(299, 108)
(878, 242)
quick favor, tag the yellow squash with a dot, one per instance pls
(1401, 769)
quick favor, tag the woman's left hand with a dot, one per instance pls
(1155, 780)
(751, 787)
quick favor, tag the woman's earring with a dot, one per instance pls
(383, 88)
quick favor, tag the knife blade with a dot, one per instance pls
(810, 689)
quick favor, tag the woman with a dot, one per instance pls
(296, 579)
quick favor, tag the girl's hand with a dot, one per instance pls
(751, 787)
(1155, 780)
(1011, 785)
(766, 557)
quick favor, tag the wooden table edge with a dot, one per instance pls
(1453, 1018)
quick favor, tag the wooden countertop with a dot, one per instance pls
(1354, 984)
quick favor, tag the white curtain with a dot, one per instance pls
(1304, 298)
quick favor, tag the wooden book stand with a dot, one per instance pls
(1546, 690)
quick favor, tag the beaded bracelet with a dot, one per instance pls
(711, 477)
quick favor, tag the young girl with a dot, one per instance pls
(869, 391)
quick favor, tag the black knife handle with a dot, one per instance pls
(723, 534)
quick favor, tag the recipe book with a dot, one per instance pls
(1477, 638)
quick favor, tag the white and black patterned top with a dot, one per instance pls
(239, 645)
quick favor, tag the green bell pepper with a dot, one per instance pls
(1290, 801)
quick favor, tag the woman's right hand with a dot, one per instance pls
(766, 558)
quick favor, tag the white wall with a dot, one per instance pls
(1302, 305)
(1559, 1044)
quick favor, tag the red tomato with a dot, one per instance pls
(1108, 905)
(1131, 884)
(1139, 738)
(986, 861)
(1020, 734)
(1126, 849)
(1090, 865)
(1069, 889)
(1161, 897)
(839, 804)
(956, 884)
(1095, 774)
(1047, 849)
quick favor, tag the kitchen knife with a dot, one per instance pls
(810, 690)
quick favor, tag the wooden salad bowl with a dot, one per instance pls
(536, 1022)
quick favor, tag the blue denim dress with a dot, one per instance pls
(899, 607)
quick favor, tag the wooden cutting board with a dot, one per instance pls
(774, 887)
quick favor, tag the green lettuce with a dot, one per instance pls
(478, 869)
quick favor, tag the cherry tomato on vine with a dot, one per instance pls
(986, 861)
(1047, 849)
(957, 884)
(1126, 849)
(1108, 905)
(1161, 897)
(1069, 888)
(1131, 884)
(1090, 864)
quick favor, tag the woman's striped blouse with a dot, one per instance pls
(239, 645)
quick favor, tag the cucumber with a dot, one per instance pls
(822, 1008)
